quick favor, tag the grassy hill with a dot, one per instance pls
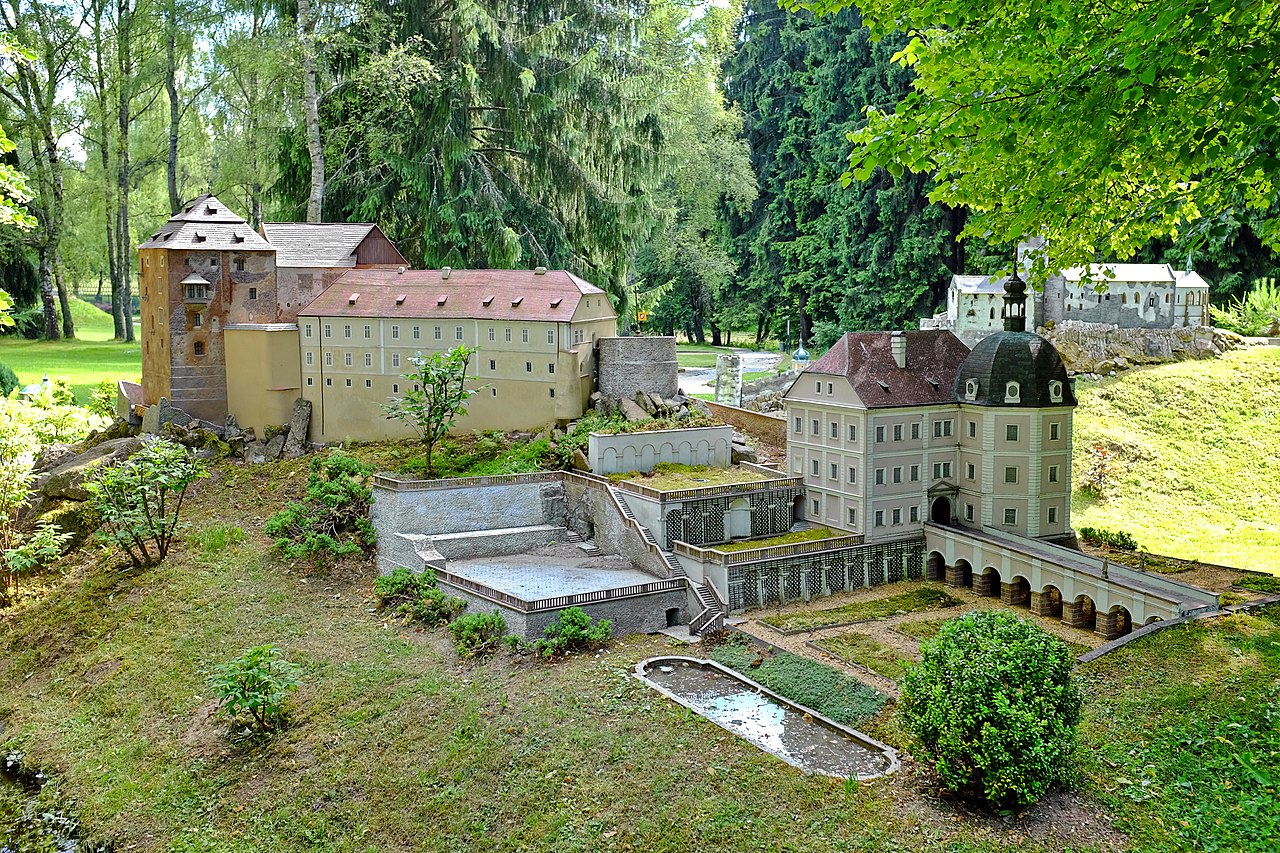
(86, 361)
(1197, 448)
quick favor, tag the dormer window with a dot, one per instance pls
(971, 389)
(1012, 392)
(1055, 391)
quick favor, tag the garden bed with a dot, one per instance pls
(866, 652)
(669, 476)
(919, 599)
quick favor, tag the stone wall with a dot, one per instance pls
(627, 365)
(1101, 348)
(768, 428)
(640, 451)
(591, 513)
(637, 614)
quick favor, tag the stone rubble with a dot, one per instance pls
(1099, 349)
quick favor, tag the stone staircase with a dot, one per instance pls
(588, 547)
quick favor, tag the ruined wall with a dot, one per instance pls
(1102, 348)
(627, 365)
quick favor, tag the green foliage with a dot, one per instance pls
(1111, 538)
(916, 599)
(332, 520)
(573, 631)
(217, 538)
(39, 548)
(102, 399)
(818, 686)
(435, 395)
(253, 687)
(484, 454)
(1255, 313)
(994, 707)
(415, 597)
(1270, 584)
(140, 500)
(478, 635)
(8, 380)
(867, 652)
(1098, 475)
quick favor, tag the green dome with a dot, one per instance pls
(1015, 370)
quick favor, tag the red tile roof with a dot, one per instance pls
(552, 296)
(866, 360)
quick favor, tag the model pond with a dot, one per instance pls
(798, 735)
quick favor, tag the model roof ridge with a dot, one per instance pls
(866, 360)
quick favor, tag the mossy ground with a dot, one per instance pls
(917, 599)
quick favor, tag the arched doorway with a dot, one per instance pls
(988, 583)
(940, 510)
(935, 567)
(738, 521)
(1017, 593)
(797, 508)
(1116, 622)
(1081, 613)
(1050, 603)
(961, 574)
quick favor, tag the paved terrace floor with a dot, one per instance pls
(550, 573)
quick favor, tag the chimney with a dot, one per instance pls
(400, 271)
(444, 273)
(539, 270)
(898, 346)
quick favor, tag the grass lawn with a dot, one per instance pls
(86, 361)
(670, 476)
(919, 598)
(811, 534)
(1196, 446)
(921, 629)
(865, 651)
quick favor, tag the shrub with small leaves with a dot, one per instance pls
(102, 399)
(415, 597)
(253, 687)
(40, 548)
(332, 520)
(1111, 538)
(994, 706)
(572, 631)
(478, 635)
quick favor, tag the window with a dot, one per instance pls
(1010, 516)
(915, 513)
(970, 473)
(1055, 431)
(1011, 432)
(973, 429)
(1010, 474)
(457, 333)
(941, 429)
(815, 467)
(346, 360)
(815, 427)
(328, 359)
(879, 518)
(817, 387)
(348, 383)
(239, 262)
(835, 430)
(1012, 392)
(492, 334)
(213, 262)
(368, 332)
(853, 517)
(199, 348)
(968, 512)
(328, 330)
(897, 474)
(253, 293)
(346, 331)
(493, 392)
(830, 388)
(328, 382)
(1055, 391)
(524, 335)
(879, 435)
(507, 333)
(815, 506)
(395, 387)
(551, 336)
(528, 367)
(493, 365)
(915, 473)
(311, 359)
(799, 426)
(971, 389)
(1053, 473)
(307, 330)
(879, 476)
(197, 320)
(1053, 515)
(835, 471)
(897, 516)
(941, 470)
(368, 359)
(853, 475)
(368, 383)
(395, 332)
(915, 431)
(553, 391)
(577, 336)
(897, 432)
(395, 359)
(853, 432)
(551, 368)
(311, 381)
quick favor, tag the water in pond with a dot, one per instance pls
(800, 739)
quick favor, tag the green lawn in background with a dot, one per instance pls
(86, 361)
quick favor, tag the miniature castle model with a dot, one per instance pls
(244, 323)
(894, 429)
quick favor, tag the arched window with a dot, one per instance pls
(1055, 391)
(1012, 393)
(971, 389)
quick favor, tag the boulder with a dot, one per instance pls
(296, 443)
(579, 460)
(231, 431)
(630, 410)
(67, 480)
(742, 453)
(275, 446)
(255, 452)
(53, 456)
(162, 413)
(645, 402)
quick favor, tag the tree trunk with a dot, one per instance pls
(175, 115)
(48, 295)
(311, 98)
(124, 56)
(64, 302)
(715, 336)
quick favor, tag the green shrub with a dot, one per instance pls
(993, 705)
(1255, 313)
(1110, 538)
(478, 635)
(40, 548)
(102, 399)
(217, 538)
(415, 597)
(8, 380)
(1269, 584)
(573, 631)
(332, 521)
(253, 687)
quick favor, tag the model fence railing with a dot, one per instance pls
(698, 492)
(768, 552)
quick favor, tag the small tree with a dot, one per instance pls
(140, 500)
(993, 704)
(333, 520)
(255, 685)
(436, 396)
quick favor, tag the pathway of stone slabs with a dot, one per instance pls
(550, 572)
(885, 630)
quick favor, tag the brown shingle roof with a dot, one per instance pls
(205, 224)
(866, 360)
(465, 294)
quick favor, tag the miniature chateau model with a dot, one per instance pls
(925, 459)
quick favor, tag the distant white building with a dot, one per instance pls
(1151, 296)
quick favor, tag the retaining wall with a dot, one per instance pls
(757, 424)
(639, 614)
(640, 451)
(628, 365)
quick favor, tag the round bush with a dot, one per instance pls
(8, 379)
(994, 706)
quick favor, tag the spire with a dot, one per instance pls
(1015, 303)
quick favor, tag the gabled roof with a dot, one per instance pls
(866, 360)
(1189, 278)
(978, 283)
(466, 294)
(1106, 273)
(206, 224)
(327, 244)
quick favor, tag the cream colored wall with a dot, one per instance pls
(263, 376)
(810, 400)
(153, 291)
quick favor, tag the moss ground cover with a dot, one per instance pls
(811, 534)
(1195, 445)
(671, 475)
(866, 651)
(916, 599)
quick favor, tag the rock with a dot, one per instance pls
(67, 480)
(255, 453)
(521, 436)
(742, 453)
(699, 406)
(595, 400)
(579, 460)
(630, 410)
(644, 402)
(231, 431)
(78, 518)
(270, 431)
(275, 446)
(162, 413)
(117, 429)
(53, 456)
(296, 443)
